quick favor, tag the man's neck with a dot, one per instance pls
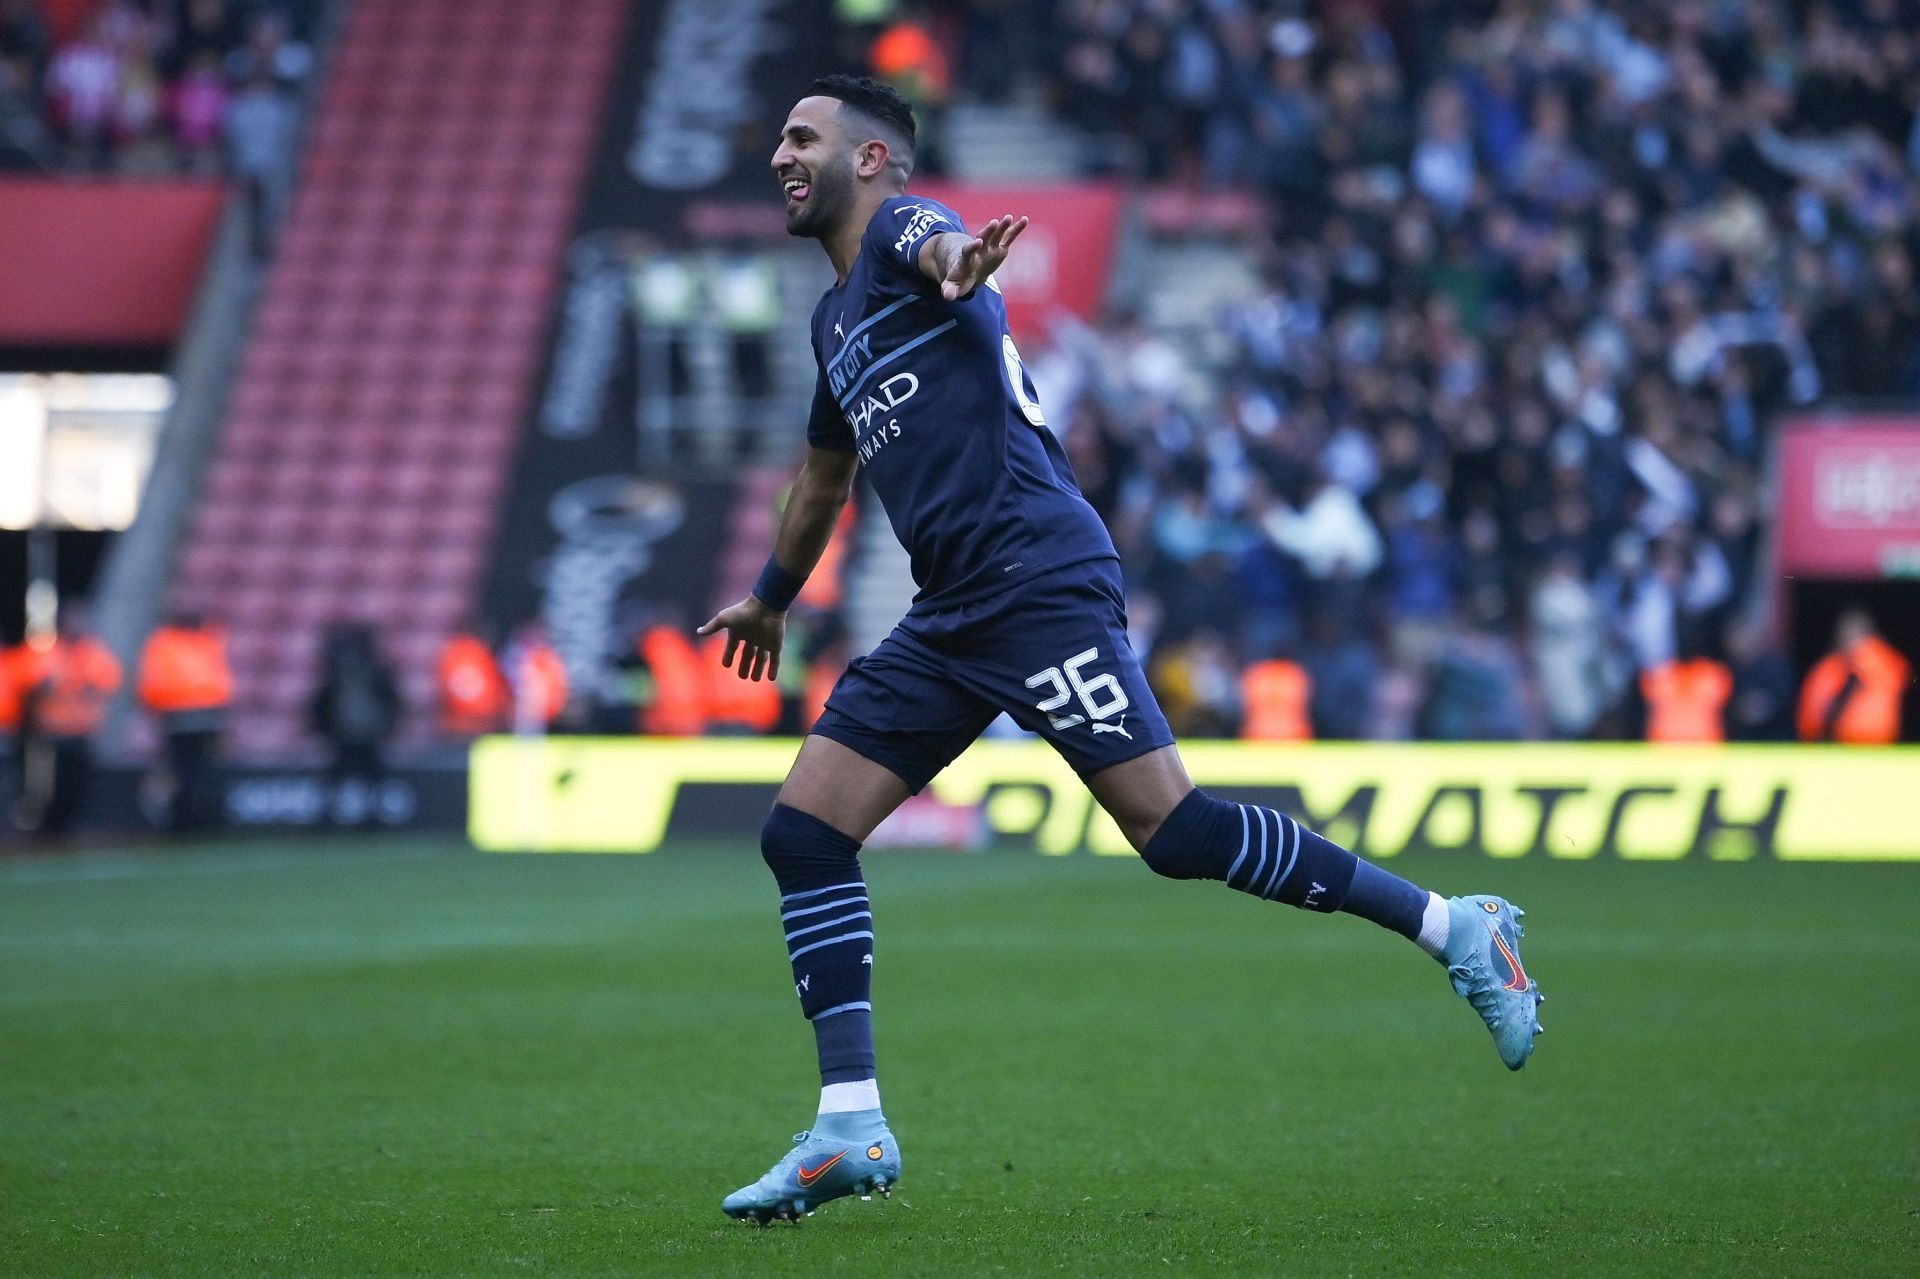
(843, 246)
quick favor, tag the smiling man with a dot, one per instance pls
(1021, 610)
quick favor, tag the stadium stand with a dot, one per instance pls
(144, 89)
(1474, 408)
(379, 399)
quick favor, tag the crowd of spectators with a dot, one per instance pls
(150, 86)
(1487, 445)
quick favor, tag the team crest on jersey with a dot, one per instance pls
(923, 220)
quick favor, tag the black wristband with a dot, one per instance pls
(777, 587)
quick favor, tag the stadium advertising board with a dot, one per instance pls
(1522, 800)
(101, 263)
(1065, 254)
(1850, 497)
(125, 799)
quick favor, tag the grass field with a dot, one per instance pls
(376, 1057)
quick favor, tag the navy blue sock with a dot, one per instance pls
(1385, 898)
(1269, 855)
(829, 927)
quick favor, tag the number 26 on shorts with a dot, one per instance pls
(1100, 696)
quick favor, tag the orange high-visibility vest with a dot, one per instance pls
(20, 670)
(821, 677)
(1686, 701)
(1276, 695)
(541, 679)
(1871, 715)
(906, 50)
(185, 669)
(71, 696)
(679, 705)
(731, 700)
(474, 697)
(824, 587)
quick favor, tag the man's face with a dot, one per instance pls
(815, 166)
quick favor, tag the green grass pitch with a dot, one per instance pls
(376, 1057)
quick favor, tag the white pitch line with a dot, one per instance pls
(34, 871)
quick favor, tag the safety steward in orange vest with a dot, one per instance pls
(824, 588)
(1687, 700)
(19, 671)
(538, 679)
(64, 704)
(184, 672)
(9, 695)
(677, 703)
(186, 683)
(907, 56)
(821, 677)
(1853, 694)
(736, 706)
(1276, 694)
(474, 698)
(70, 697)
(19, 667)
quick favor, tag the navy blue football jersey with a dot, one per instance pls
(933, 397)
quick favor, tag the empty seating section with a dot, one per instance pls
(375, 415)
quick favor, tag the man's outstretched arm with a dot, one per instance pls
(757, 625)
(960, 263)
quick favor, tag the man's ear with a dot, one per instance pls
(872, 160)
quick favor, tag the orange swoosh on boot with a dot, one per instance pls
(810, 1175)
(1519, 980)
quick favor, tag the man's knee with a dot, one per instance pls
(796, 843)
(1182, 844)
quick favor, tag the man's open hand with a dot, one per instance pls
(981, 256)
(755, 632)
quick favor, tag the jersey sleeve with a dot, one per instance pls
(827, 426)
(900, 229)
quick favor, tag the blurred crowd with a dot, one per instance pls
(1481, 457)
(151, 86)
(56, 687)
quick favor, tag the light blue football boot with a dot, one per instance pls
(1483, 961)
(845, 1154)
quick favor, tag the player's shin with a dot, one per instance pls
(1269, 855)
(828, 923)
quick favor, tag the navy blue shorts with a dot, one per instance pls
(1052, 653)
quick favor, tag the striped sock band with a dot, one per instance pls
(813, 925)
(1271, 856)
(1269, 852)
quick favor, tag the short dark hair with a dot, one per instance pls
(877, 104)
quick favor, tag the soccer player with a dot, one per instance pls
(1020, 610)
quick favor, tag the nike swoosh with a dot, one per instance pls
(1519, 981)
(810, 1175)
